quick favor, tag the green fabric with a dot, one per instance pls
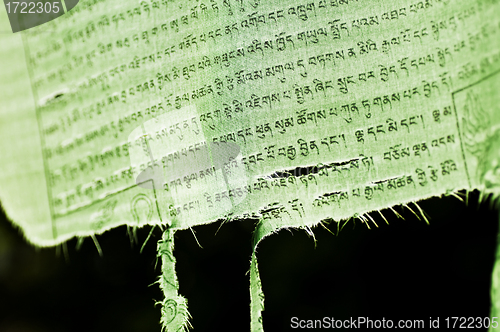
(174, 307)
(177, 114)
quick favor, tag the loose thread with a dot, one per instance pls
(174, 313)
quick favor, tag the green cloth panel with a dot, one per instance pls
(180, 114)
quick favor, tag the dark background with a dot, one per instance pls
(405, 270)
